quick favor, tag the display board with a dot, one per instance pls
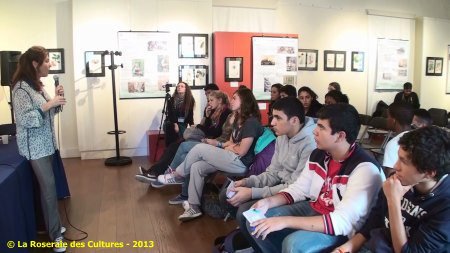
(149, 63)
(392, 64)
(274, 61)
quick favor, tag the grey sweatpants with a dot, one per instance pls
(43, 170)
(204, 159)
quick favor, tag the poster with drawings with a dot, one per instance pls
(274, 61)
(148, 63)
(393, 68)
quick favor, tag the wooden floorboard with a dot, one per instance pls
(109, 204)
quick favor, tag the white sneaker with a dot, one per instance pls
(170, 178)
(190, 212)
(59, 245)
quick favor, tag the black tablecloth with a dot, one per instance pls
(17, 211)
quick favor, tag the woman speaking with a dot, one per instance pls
(34, 111)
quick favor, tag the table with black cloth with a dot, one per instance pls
(17, 189)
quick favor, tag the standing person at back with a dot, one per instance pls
(407, 96)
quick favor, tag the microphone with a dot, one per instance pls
(56, 79)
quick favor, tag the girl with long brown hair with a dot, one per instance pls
(233, 156)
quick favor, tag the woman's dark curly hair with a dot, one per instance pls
(249, 106)
(429, 149)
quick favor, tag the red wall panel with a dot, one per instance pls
(236, 44)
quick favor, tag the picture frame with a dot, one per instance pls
(308, 59)
(192, 45)
(434, 66)
(234, 69)
(357, 61)
(56, 57)
(196, 76)
(334, 60)
(94, 63)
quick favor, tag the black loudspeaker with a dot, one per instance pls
(8, 65)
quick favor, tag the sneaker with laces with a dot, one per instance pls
(179, 199)
(60, 245)
(156, 184)
(170, 178)
(190, 213)
(146, 177)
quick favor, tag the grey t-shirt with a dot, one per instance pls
(251, 128)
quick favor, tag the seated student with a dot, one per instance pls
(332, 196)
(294, 144)
(288, 91)
(150, 175)
(422, 118)
(308, 98)
(334, 97)
(274, 97)
(234, 156)
(399, 120)
(412, 212)
(180, 113)
(216, 113)
(407, 96)
(334, 86)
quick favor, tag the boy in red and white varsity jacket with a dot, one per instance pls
(332, 197)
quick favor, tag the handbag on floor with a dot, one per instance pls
(233, 242)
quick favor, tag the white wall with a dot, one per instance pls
(86, 25)
(435, 42)
(97, 30)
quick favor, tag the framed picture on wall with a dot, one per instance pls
(434, 66)
(358, 61)
(195, 76)
(234, 69)
(192, 45)
(95, 64)
(334, 60)
(307, 59)
(56, 57)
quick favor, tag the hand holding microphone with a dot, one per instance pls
(59, 94)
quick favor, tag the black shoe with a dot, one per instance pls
(142, 170)
(146, 177)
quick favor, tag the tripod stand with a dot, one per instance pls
(164, 114)
(117, 160)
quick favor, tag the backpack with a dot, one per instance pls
(211, 204)
(233, 242)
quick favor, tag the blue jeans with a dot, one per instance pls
(182, 152)
(291, 240)
(179, 157)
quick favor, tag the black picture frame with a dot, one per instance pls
(334, 60)
(56, 57)
(308, 59)
(233, 72)
(191, 45)
(196, 76)
(358, 61)
(434, 66)
(94, 63)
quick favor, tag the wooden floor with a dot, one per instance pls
(109, 204)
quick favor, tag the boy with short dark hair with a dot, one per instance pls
(332, 196)
(413, 210)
